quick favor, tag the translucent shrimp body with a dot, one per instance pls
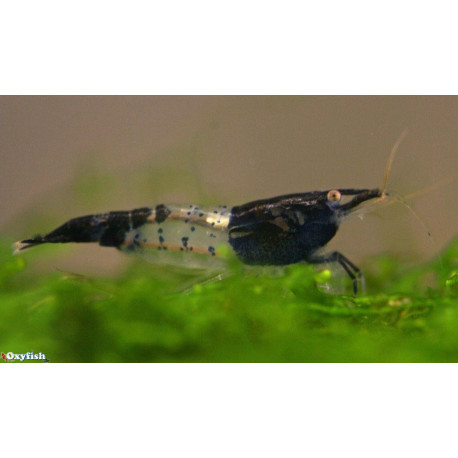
(191, 232)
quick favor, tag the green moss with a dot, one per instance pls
(248, 316)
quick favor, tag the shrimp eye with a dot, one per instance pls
(334, 195)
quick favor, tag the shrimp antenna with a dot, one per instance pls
(383, 195)
(390, 160)
(422, 191)
(430, 188)
(402, 201)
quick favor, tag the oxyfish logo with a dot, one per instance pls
(10, 356)
(5, 358)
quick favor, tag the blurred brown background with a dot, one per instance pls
(64, 156)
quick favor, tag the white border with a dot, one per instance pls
(204, 47)
(226, 410)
